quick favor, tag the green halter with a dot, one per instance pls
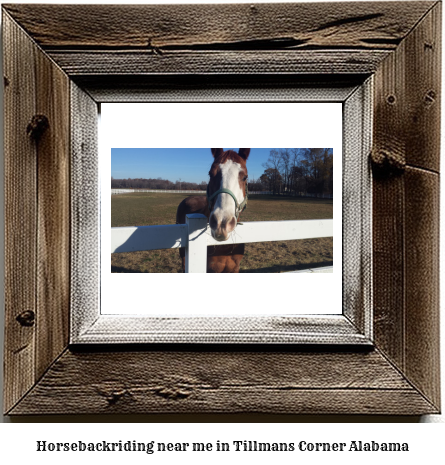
(238, 208)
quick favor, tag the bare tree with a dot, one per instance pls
(299, 171)
(273, 168)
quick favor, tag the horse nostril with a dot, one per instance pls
(232, 224)
(213, 222)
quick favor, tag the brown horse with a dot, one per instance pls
(226, 199)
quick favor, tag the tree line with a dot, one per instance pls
(299, 172)
(158, 183)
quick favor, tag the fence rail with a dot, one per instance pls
(195, 236)
(165, 191)
(162, 191)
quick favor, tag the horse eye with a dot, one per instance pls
(245, 178)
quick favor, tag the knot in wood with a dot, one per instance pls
(114, 397)
(172, 393)
(387, 163)
(26, 318)
(112, 394)
(37, 126)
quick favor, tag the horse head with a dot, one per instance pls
(226, 191)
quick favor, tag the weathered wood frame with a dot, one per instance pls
(76, 56)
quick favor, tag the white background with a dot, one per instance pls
(17, 441)
(425, 443)
(220, 125)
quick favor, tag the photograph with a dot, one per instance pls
(231, 188)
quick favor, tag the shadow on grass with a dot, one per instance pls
(291, 198)
(286, 268)
(269, 269)
(121, 269)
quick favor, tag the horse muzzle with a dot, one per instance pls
(221, 229)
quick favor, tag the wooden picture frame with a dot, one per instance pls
(56, 71)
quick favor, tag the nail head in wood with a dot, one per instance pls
(26, 318)
(37, 126)
(430, 97)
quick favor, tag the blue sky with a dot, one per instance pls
(190, 165)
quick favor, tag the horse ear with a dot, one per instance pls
(217, 152)
(244, 153)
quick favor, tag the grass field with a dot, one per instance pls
(140, 209)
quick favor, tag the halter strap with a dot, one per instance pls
(239, 208)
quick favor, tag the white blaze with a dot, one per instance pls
(225, 205)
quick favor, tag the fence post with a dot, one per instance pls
(196, 252)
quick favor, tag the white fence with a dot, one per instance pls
(163, 191)
(195, 236)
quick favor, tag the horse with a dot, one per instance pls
(225, 200)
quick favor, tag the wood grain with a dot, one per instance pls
(220, 381)
(37, 216)
(230, 39)
(231, 330)
(407, 113)
(357, 209)
(85, 236)
(422, 364)
(423, 91)
(421, 210)
(218, 87)
(153, 27)
(20, 213)
(53, 228)
(100, 63)
(406, 208)
(388, 268)
(389, 144)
